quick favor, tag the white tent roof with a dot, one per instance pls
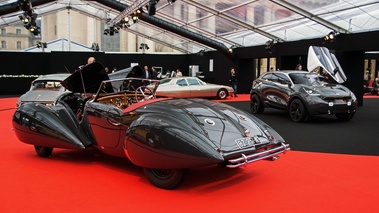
(60, 45)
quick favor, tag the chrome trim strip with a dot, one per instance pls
(246, 159)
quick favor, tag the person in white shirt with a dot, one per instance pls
(178, 73)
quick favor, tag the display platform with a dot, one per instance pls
(332, 167)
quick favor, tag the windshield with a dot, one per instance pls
(309, 79)
(126, 85)
(47, 85)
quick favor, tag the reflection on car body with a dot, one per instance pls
(164, 136)
(192, 87)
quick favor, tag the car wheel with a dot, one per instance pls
(344, 116)
(43, 151)
(256, 106)
(222, 94)
(164, 178)
(297, 111)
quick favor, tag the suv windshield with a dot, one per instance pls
(309, 79)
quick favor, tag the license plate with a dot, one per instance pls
(248, 142)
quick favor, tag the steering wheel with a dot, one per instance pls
(146, 93)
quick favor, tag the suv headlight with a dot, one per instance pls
(311, 91)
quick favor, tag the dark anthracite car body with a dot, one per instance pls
(303, 93)
(164, 136)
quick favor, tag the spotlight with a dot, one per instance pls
(41, 44)
(268, 46)
(170, 2)
(125, 19)
(144, 46)
(25, 5)
(111, 31)
(95, 47)
(151, 7)
(135, 19)
(330, 37)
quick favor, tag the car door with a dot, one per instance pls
(277, 90)
(102, 119)
(198, 89)
(182, 89)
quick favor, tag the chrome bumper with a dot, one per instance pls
(246, 159)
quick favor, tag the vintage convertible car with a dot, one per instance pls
(192, 87)
(303, 94)
(164, 136)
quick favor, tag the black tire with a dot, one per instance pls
(344, 116)
(297, 111)
(222, 94)
(43, 151)
(256, 106)
(165, 178)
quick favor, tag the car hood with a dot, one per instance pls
(220, 125)
(87, 79)
(322, 57)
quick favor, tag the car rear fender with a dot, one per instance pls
(161, 141)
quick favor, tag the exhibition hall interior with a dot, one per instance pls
(189, 105)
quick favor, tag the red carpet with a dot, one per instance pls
(78, 181)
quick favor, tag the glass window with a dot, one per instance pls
(18, 31)
(3, 44)
(18, 44)
(182, 82)
(3, 31)
(193, 81)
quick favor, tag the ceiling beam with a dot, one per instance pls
(171, 27)
(310, 16)
(233, 20)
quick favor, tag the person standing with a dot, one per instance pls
(299, 67)
(146, 73)
(233, 80)
(367, 78)
(178, 73)
(154, 74)
(91, 60)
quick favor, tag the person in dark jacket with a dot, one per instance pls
(233, 80)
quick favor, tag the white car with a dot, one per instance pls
(191, 87)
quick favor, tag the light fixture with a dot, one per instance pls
(151, 7)
(268, 46)
(25, 5)
(330, 37)
(95, 47)
(125, 19)
(144, 46)
(170, 2)
(41, 45)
